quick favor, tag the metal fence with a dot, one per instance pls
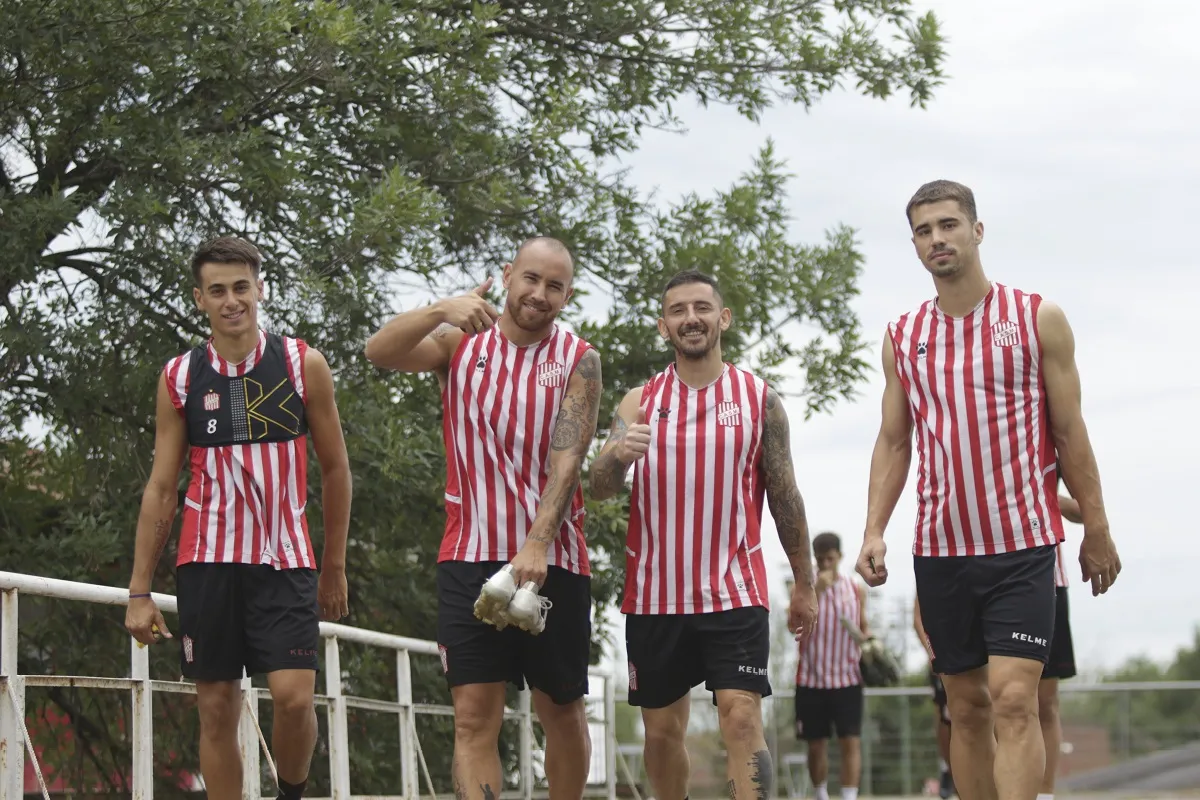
(1105, 725)
(14, 745)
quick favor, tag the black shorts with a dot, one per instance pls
(670, 653)
(822, 713)
(251, 617)
(974, 607)
(555, 662)
(939, 697)
(1061, 663)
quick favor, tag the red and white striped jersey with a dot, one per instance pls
(1060, 568)
(694, 544)
(830, 657)
(986, 480)
(248, 454)
(500, 402)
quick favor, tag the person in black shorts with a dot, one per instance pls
(250, 598)
(983, 378)
(513, 581)
(696, 596)
(942, 718)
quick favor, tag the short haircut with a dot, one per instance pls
(691, 276)
(826, 542)
(939, 191)
(226, 250)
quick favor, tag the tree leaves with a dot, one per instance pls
(378, 152)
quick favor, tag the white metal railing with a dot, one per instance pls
(142, 688)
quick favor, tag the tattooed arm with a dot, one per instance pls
(574, 429)
(628, 440)
(783, 497)
(159, 501)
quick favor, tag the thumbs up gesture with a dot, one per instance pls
(635, 442)
(471, 312)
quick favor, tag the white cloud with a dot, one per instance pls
(1076, 124)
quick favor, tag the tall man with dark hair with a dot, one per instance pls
(706, 439)
(986, 376)
(521, 396)
(244, 404)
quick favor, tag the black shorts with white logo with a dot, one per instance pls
(670, 653)
(824, 713)
(1061, 663)
(251, 617)
(555, 662)
(974, 607)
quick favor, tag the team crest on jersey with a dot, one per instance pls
(481, 363)
(551, 373)
(1006, 334)
(632, 677)
(729, 414)
(189, 653)
(921, 349)
(212, 400)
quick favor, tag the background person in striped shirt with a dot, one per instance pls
(521, 396)
(829, 687)
(986, 376)
(243, 405)
(706, 440)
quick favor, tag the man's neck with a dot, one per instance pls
(235, 349)
(518, 335)
(958, 296)
(700, 372)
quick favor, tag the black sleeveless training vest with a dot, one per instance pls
(256, 408)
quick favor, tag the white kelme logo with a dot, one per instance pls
(752, 670)
(1025, 637)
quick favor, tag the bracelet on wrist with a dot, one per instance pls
(136, 596)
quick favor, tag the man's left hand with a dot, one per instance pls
(802, 612)
(333, 594)
(530, 563)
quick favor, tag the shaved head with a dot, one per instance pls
(544, 250)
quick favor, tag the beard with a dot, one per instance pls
(527, 319)
(694, 348)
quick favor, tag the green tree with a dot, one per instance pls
(370, 149)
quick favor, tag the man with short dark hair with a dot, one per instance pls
(986, 376)
(829, 683)
(244, 404)
(706, 440)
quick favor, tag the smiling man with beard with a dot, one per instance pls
(244, 404)
(705, 439)
(520, 398)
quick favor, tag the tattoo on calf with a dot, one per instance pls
(762, 774)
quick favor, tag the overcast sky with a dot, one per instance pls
(1077, 125)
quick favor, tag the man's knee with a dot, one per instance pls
(478, 712)
(568, 719)
(740, 715)
(1014, 700)
(665, 728)
(968, 700)
(220, 707)
(292, 694)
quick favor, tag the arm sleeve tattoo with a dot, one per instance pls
(574, 429)
(783, 497)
